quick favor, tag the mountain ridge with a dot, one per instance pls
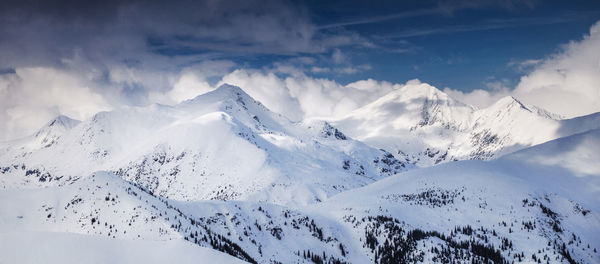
(501, 210)
(220, 145)
(426, 132)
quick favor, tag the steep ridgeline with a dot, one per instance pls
(420, 124)
(221, 145)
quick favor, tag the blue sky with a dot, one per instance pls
(462, 48)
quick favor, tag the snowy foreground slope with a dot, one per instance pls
(152, 179)
(221, 145)
(423, 125)
(512, 208)
(52, 247)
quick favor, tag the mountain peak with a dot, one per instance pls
(223, 92)
(236, 102)
(419, 90)
(62, 121)
(429, 95)
(507, 103)
(49, 133)
(228, 88)
(510, 102)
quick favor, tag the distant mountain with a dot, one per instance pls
(50, 133)
(221, 145)
(420, 124)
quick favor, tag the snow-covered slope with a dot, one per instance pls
(522, 205)
(104, 205)
(221, 145)
(512, 208)
(421, 124)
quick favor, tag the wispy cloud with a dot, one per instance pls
(484, 26)
(382, 18)
(447, 7)
(524, 65)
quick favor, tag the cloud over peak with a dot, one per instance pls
(567, 83)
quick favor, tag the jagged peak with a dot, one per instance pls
(509, 102)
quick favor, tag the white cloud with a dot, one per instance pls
(266, 88)
(299, 96)
(338, 57)
(32, 96)
(525, 65)
(316, 69)
(353, 69)
(191, 82)
(374, 86)
(479, 98)
(318, 97)
(189, 85)
(482, 98)
(567, 83)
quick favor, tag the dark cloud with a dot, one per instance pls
(40, 32)
(128, 49)
(7, 71)
(113, 53)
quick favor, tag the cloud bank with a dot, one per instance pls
(77, 58)
(566, 83)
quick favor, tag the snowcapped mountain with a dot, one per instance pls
(221, 172)
(423, 125)
(50, 133)
(220, 145)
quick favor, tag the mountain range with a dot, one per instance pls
(414, 176)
